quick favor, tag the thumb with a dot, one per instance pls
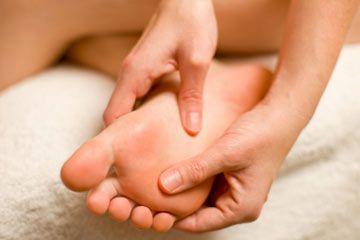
(134, 81)
(122, 101)
(193, 171)
(192, 75)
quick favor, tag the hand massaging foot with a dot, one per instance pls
(142, 144)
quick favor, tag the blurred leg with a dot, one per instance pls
(36, 33)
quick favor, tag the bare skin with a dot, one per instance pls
(57, 27)
(245, 27)
(155, 128)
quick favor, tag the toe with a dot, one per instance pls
(87, 167)
(98, 200)
(120, 208)
(163, 222)
(142, 217)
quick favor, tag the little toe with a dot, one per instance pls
(163, 222)
(98, 199)
(120, 208)
(87, 167)
(142, 217)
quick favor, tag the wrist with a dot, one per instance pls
(281, 121)
(295, 97)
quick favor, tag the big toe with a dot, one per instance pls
(87, 167)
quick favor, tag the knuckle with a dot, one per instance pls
(237, 149)
(143, 85)
(243, 210)
(229, 157)
(127, 64)
(133, 64)
(233, 212)
(198, 60)
(253, 213)
(191, 95)
(196, 171)
(230, 151)
(141, 77)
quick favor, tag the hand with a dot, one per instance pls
(182, 35)
(248, 155)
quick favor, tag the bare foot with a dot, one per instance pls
(142, 144)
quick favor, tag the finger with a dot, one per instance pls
(121, 102)
(135, 80)
(123, 98)
(150, 58)
(219, 187)
(192, 76)
(192, 172)
(224, 213)
(205, 219)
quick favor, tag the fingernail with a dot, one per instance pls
(193, 121)
(171, 180)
